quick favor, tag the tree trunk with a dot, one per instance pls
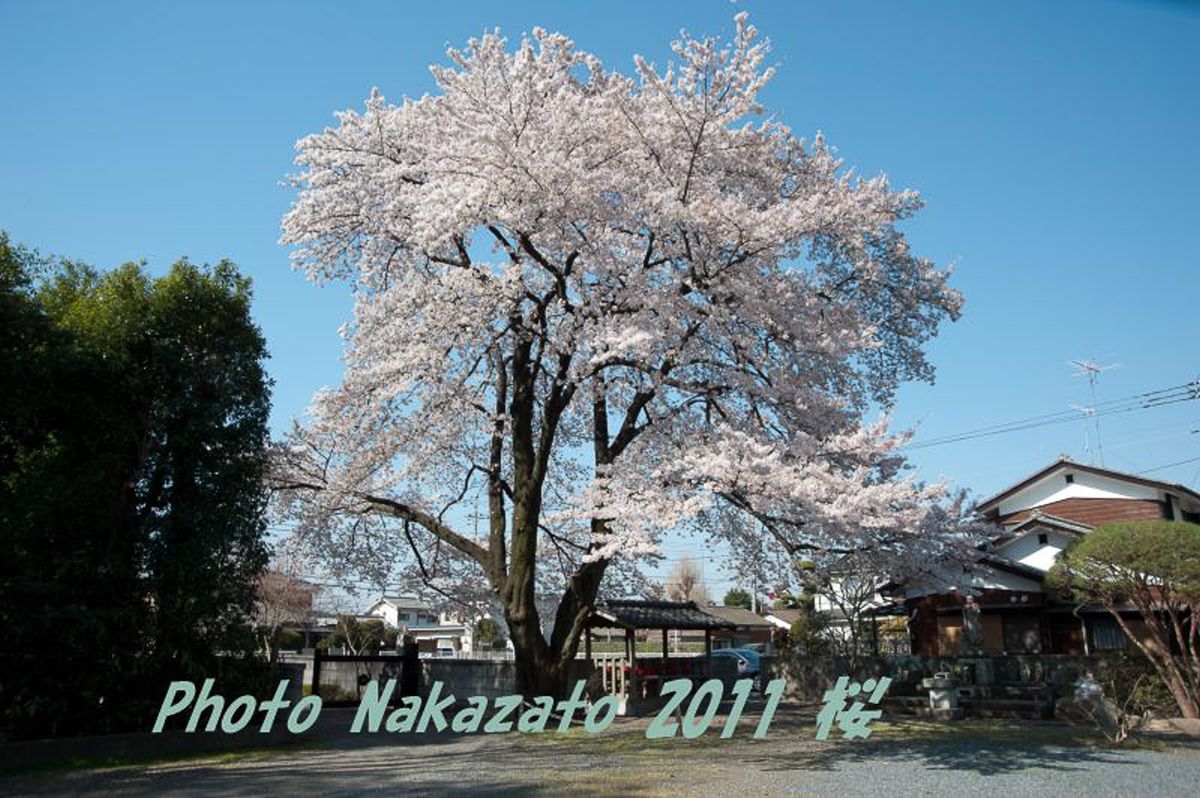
(542, 667)
(1179, 691)
(546, 667)
(541, 679)
(1164, 663)
(536, 669)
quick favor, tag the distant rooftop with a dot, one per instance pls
(737, 615)
(407, 602)
(787, 615)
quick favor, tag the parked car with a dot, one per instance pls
(748, 663)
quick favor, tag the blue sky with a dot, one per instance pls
(1054, 142)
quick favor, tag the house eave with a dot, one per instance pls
(984, 507)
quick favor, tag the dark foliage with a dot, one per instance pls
(131, 453)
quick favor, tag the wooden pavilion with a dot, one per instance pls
(636, 681)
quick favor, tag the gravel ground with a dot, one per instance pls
(909, 758)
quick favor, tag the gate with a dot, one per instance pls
(339, 679)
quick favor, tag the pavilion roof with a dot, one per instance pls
(638, 614)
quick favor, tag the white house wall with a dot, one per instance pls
(824, 603)
(385, 611)
(1054, 487)
(406, 613)
(1027, 551)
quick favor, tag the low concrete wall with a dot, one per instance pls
(341, 680)
(807, 678)
(465, 678)
(488, 678)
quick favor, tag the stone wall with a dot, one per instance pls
(809, 677)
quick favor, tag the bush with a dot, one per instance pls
(1131, 677)
(1117, 694)
(232, 677)
(288, 640)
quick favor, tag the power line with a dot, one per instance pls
(1170, 465)
(1185, 392)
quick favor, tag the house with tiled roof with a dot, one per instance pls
(748, 628)
(1004, 606)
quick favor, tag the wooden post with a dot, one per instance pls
(708, 642)
(664, 631)
(631, 648)
(587, 643)
(874, 635)
(316, 679)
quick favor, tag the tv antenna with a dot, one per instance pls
(1091, 370)
(1085, 413)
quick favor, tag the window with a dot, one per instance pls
(1043, 539)
(404, 617)
(1070, 478)
(1106, 634)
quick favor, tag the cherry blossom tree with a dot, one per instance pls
(283, 598)
(603, 307)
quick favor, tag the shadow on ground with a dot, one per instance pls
(981, 757)
(985, 747)
(621, 762)
(425, 769)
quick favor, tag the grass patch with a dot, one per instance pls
(799, 726)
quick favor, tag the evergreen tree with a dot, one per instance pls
(131, 491)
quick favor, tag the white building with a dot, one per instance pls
(437, 634)
(402, 611)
